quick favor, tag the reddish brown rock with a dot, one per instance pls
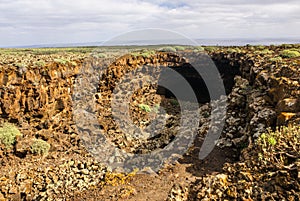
(288, 105)
(284, 117)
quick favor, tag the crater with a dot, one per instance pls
(144, 101)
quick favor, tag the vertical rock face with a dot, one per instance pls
(109, 81)
(270, 97)
(36, 90)
(272, 89)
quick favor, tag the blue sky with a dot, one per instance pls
(29, 22)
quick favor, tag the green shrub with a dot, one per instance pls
(144, 53)
(167, 49)
(277, 147)
(287, 45)
(275, 59)
(250, 47)
(145, 107)
(260, 47)
(40, 63)
(61, 61)
(264, 51)
(40, 147)
(232, 50)
(198, 49)
(267, 51)
(210, 48)
(148, 53)
(290, 53)
(73, 63)
(8, 133)
(99, 55)
(179, 48)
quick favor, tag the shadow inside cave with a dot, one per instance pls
(214, 162)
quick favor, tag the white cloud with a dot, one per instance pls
(56, 21)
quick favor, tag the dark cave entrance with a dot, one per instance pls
(227, 71)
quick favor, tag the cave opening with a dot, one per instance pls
(227, 71)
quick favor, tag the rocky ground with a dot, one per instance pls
(40, 92)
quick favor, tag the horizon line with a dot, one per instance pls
(209, 41)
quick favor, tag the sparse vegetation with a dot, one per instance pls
(180, 48)
(145, 107)
(144, 53)
(116, 179)
(8, 134)
(148, 53)
(99, 55)
(281, 146)
(276, 59)
(167, 49)
(290, 53)
(198, 49)
(61, 61)
(210, 48)
(267, 169)
(287, 45)
(264, 51)
(233, 50)
(40, 63)
(260, 47)
(40, 147)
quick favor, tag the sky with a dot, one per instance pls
(32, 22)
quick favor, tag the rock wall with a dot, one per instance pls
(39, 100)
(264, 95)
(261, 94)
(272, 91)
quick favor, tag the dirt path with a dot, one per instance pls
(157, 186)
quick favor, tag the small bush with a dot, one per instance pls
(8, 133)
(167, 49)
(115, 179)
(263, 52)
(148, 53)
(73, 63)
(275, 59)
(281, 146)
(40, 147)
(290, 53)
(179, 48)
(267, 51)
(40, 63)
(145, 107)
(144, 53)
(287, 45)
(210, 48)
(260, 47)
(233, 50)
(100, 55)
(198, 49)
(61, 61)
